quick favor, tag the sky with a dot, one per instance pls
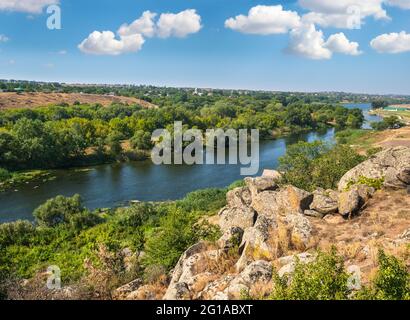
(360, 46)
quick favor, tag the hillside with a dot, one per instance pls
(12, 100)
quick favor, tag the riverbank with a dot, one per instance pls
(25, 177)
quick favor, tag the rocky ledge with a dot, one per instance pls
(267, 224)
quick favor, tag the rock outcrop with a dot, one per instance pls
(266, 224)
(392, 165)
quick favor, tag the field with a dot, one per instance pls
(12, 100)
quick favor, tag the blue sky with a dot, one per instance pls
(270, 54)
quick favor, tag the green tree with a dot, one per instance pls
(58, 210)
(141, 141)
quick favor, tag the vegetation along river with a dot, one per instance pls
(116, 184)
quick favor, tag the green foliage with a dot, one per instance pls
(58, 210)
(392, 281)
(207, 200)
(141, 141)
(392, 122)
(371, 182)
(4, 175)
(18, 232)
(174, 235)
(323, 279)
(313, 165)
(379, 104)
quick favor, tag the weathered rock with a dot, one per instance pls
(181, 268)
(260, 184)
(143, 293)
(214, 288)
(313, 214)
(334, 219)
(239, 198)
(256, 244)
(324, 203)
(392, 164)
(281, 202)
(258, 271)
(178, 291)
(289, 263)
(349, 203)
(231, 238)
(122, 293)
(301, 231)
(236, 217)
(365, 192)
(273, 174)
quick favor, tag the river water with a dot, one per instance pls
(116, 184)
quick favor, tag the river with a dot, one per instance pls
(116, 184)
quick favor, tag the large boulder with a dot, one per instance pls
(260, 184)
(231, 238)
(286, 200)
(393, 165)
(257, 272)
(324, 202)
(123, 292)
(301, 231)
(256, 242)
(229, 217)
(273, 174)
(349, 203)
(182, 269)
(239, 197)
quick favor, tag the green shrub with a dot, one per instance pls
(317, 165)
(4, 175)
(174, 235)
(203, 200)
(323, 279)
(58, 210)
(371, 182)
(18, 232)
(392, 281)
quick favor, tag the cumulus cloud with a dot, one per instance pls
(3, 38)
(131, 36)
(392, 43)
(338, 43)
(178, 25)
(105, 43)
(404, 4)
(144, 25)
(264, 20)
(310, 43)
(347, 14)
(29, 6)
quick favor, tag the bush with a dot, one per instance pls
(392, 281)
(172, 238)
(317, 165)
(4, 175)
(392, 122)
(203, 200)
(58, 210)
(374, 183)
(18, 232)
(323, 279)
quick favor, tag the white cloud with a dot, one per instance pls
(264, 20)
(392, 43)
(3, 38)
(310, 43)
(62, 52)
(105, 43)
(144, 25)
(342, 13)
(29, 6)
(338, 43)
(178, 25)
(403, 4)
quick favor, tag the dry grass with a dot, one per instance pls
(11, 100)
